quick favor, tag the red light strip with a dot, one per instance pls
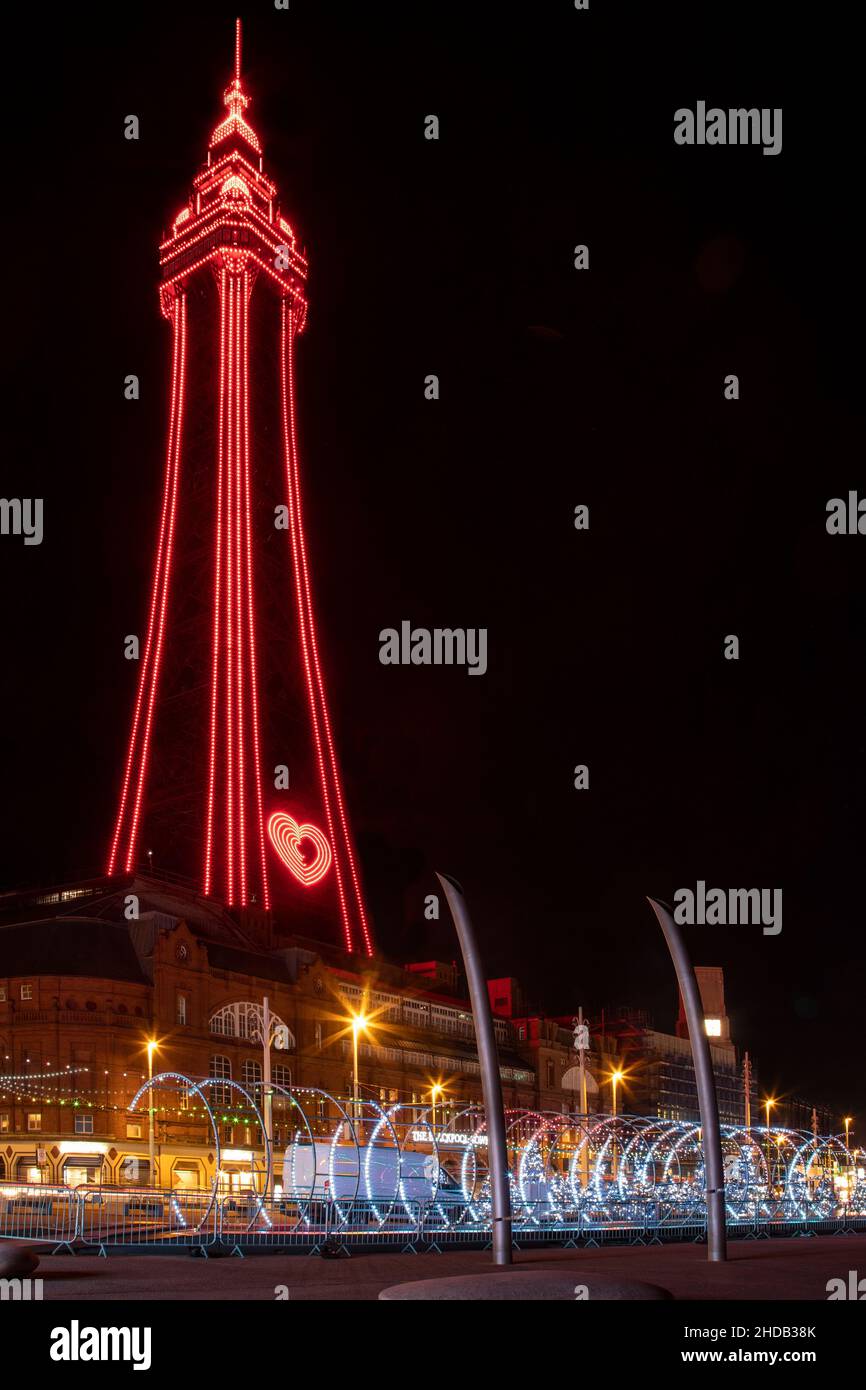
(230, 861)
(175, 434)
(154, 599)
(208, 851)
(315, 682)
(287, 402)
(251, 644)
(238, 285)
(335, 772)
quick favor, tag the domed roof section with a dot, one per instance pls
(235, 122)
(84, 946)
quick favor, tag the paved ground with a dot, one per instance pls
(770, 1269)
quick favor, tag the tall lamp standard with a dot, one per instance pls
(847, 1123)
(152, 1047)
(436, 1089)
(615, 1078)
(768, 1105)
(359, 1026)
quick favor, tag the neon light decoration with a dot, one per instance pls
(230, 247)
(572, 1176)
(287, 837)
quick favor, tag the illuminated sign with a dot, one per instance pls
(422, 1136)
(287, 837)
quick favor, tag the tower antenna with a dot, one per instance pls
(237, 50)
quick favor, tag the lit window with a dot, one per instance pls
(34, 1120)
(251, 1074)
(4, 1123)
(133, 1131)
(221, 1068)
(26, 991)
(2, 993)
(181, 1011)
(713, 1027)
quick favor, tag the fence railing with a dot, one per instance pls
(116, 1218)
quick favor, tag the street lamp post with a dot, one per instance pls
(768, 1105)
(151, 1117)
(615, 1078)
(435, 1090)
(581, 1043)
(359, 1026)
(268, 1038)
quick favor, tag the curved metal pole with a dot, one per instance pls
(491, 1081)
(711, 1138)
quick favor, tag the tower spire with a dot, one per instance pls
(214, 704)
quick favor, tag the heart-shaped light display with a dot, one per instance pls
(287, 837)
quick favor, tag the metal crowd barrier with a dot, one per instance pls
(123, 1217)
(38, 1214)
(119, 1218)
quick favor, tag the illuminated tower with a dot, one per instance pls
(231, 774)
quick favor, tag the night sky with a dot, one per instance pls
(605, 387)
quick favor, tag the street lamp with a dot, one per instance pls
(846, 1120)
(768, 1105)
(359, 1026)
(152, 1046)
(615, 1078)
(436, 1089)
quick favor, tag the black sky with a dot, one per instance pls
(558, 388)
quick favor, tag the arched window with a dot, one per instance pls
(221, 1067)
(251, 1076)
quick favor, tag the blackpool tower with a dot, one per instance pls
(231, 777)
